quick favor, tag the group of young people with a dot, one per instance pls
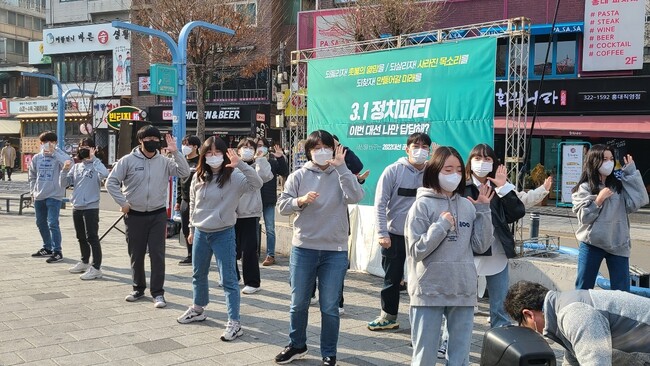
(436, 218)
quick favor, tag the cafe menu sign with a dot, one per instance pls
(614, 31)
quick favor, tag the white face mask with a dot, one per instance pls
(246, 153)
(606, 168)
(214, 161)
(419, 156)
(321, 156)
(47, 146)
(263, 149)
(449, 182)
(186, 150)
(481, 167)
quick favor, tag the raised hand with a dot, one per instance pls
(277, 151)
(91, 153)
(501, 176)
(171, 143)
(627, 159)
(339, 156)
(485, 194)
(234, 158)
(548, 183)
(67, 165)
(310, 197)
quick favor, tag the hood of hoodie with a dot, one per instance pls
(405, 161)
(315, 168)
(429, 192)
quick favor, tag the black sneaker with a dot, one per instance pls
(186, 262)
(329, 361)
(134, 296)
(289, 354)
(42, 253)
(56, 257)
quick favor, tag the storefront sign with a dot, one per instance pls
(4, 108)
(85, 38)
(144, 83)
(614, 35)
(331, 29)
(101, 107)
(611, 97)
(165, 80)
(125, 113)
(217, 114)
(36, 56)
(34, 106)
(571, 169)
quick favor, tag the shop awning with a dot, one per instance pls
(634, 127)
(9, 127)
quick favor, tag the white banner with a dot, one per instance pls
(100, 111)
(122, 70)
(571, 169)
(33, 106)
(85, 38)
(613, 38)
(36, 56)
(112, 146)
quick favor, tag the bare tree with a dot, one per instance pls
(211, 57)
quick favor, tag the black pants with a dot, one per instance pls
(86, 225)
(185, 222)
(144, 231)
(392, 261)
(9, 171)
(247, 237)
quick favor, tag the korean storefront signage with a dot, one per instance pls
(212, 113)
(4, 108)
(101, 107)
(571, 169)
(34, 106)
(614, 35)
(124, 113)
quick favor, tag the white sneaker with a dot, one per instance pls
(341, 311)
(233, 330)
(249, 290)
(191, 315)
(80, 267)
(159, 302)
(92, 274)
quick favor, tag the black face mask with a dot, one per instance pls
(151, 146)
(83, 154)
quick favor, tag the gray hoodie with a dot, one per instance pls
(323, 224)
(213, 208)
(144, 181)
(439, 258)
(45, 175)
(250, 203)
(86, 177)
(599, 327)
(394, 196)
(607, 227)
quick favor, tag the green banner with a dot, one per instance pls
(374, 101)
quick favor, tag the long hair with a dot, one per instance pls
(435, 166)
(593, 160)
(203, 171)
(485, 151)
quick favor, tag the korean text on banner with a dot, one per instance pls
(571, 169)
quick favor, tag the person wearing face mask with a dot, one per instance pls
(394, 196)
(249, 211)
(595, 327)
(86, 177)
(220, 181)
(7, 160)
(319, 194)
(47, 194)
(190, 150)
(601, 203)
(138, 183)
(442, 230)
(506, 208)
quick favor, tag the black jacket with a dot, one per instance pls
(505, 211)
(352, 161)
(183, 190)
(270, 189)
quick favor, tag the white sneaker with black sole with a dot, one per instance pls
(191, 315)
(233, 330)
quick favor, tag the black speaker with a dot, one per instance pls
(509, 346)
(127, 139)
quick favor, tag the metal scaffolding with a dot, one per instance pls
(515, 30)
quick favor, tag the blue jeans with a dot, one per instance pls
(329, 267)
(269, 226)
(497, 286)
(47, 221)
(425, 333)
(221, 244)
(589, 259)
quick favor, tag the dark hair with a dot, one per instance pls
(87, 142)
(435, 166)
(203, 170)
(315, 137)
(524, 295)
(485, 151)
(48, 136)
(247, 141)
(590, 174)
(148, 131)
(419, 137)
(265, 142)
(336, 138)
(193, 140)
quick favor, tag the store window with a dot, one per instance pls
(249, 10)
(82, 68)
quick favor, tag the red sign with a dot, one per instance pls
(102, 37)
(26, 160)
(4, 108)
(260, 117)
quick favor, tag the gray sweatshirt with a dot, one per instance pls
(439, 257)
(323, 224)
(213, 208)
(45, 175)
(250, 203)
(599, 327)
(394, 196)
(144, 181)
(86, 177)
(607, 227)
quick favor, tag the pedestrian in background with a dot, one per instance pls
(216, 188)
(319, 194)
(8, 159)
(602, 203)
(190, 150)
(279, 167)
(394, 196)
(138, 183)
(47, 194)
(86, 177)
